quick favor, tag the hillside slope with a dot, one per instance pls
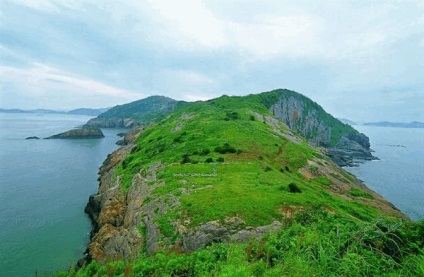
(221, 171)
(344, 144)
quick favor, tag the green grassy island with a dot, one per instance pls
(241, 186)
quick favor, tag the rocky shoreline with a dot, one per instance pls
(117, 215)
(351, 150)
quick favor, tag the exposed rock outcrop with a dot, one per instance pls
(350, 150)
(114, 214)
(32, 137)
(129, 136)
(80, 133)
(293, 113)
(321, 129)
(127, 123)
(231, 230)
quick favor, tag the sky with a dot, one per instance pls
(359, 59)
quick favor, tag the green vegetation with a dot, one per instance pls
(313, 243)
(146, 110)
(221, 162)
(359, 193)
(252, 175)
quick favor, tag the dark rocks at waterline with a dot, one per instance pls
(351, 150)
(81, 133)
(121, 135)
(129, 136)
(348, 157)
(32, 137)
(121, 142)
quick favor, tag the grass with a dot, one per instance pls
(313, 243)
(247, 183)
(359, 193)
(220, 163)
(252, 170)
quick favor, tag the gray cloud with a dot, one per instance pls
(346, 55)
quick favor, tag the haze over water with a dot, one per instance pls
(44, 187)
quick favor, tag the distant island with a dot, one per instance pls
(414, 124)
(80, 111)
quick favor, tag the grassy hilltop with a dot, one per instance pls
(225, 188)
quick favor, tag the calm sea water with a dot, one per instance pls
(399, 174)
(44, 186)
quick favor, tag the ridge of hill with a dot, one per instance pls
(344, 144)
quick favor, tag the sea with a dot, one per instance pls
(44, 186)
(398, 175)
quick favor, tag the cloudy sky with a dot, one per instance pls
(362, 60)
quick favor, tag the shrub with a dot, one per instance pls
(179, 139)
(252, 118)
(268, 168)
(220, 160)
(209, 160)
(226, 148)
(293, 188)
(186, 159)
(205, 152)
(232, 116)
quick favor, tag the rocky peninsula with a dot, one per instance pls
(147, 201)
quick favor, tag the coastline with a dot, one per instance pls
(116, 215)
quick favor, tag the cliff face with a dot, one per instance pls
(112, 122)
(114, 215)
(345, 145)
(297, 117)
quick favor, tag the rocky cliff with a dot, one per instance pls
(127, 123)
(344, 144)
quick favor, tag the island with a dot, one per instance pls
(80, 133)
